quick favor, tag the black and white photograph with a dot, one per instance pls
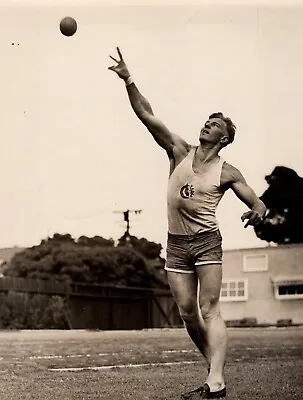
(151, 242)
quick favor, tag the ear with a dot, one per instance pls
(224, 140)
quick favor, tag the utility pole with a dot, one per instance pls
(126, 217)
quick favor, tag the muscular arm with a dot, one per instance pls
(169, 141)
(236, 181)
(174, 145)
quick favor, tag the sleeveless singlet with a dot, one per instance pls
(192, 198)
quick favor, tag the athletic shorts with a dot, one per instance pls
(186, 252)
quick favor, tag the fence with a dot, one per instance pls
(105, 307)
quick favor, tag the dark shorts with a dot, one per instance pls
(185, 253)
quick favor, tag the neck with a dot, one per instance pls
(207, 152)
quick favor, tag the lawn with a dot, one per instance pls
(262, 363)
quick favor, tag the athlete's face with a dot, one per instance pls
(214, 131)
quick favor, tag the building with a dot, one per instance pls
(264, 285)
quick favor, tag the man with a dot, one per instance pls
(198, 179)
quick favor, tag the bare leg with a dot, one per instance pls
(201, 315)
(210, 278)
(184, 288)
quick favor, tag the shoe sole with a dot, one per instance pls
(216, 396)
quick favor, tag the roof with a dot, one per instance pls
(267, 248)
(287, 279)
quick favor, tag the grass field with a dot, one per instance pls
(262, 363)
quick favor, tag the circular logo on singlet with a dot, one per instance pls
(187, 191)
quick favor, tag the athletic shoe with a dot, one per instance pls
(203, 392)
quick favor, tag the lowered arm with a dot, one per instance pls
(247, 195)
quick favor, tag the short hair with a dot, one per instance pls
(230, 126)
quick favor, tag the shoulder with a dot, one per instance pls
(230, 174)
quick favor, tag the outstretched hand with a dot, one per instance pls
(121, 68)
(254, 218)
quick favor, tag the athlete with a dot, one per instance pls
(198, 179)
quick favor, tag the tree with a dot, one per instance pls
(91, 260)
(149, 249)
(95, 241)
(283, 199)
(151, 254)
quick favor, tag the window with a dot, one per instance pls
(290, 290)
(234, 290)
(255, 262)
(287, 288)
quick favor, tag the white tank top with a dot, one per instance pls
(192, 198)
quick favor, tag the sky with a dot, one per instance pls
(74, 155)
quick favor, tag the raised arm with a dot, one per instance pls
(247, 195)
(174, 145)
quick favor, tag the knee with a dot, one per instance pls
(209, 306)
(189, 312)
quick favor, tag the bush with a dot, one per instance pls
(33, 311)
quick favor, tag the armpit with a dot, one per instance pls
(180, 152)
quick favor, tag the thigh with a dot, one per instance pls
(210, 281)
(184, 288)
